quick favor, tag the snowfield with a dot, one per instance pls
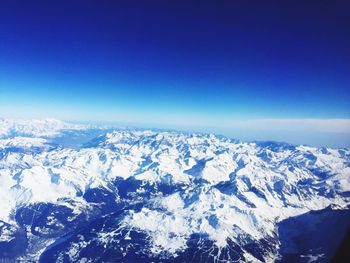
(173, 190)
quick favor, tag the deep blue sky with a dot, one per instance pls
(151, 61)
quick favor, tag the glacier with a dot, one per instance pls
(81, 193)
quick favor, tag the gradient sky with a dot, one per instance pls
(179, 63)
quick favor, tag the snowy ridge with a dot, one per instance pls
(228, 192)
(35, 128)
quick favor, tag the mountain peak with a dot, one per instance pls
(170, 191)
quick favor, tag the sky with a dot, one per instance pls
(265, 70)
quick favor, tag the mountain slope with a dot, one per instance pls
(161, 196)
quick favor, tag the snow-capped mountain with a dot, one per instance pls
(128, 195)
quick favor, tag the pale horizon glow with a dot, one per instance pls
(313, 132)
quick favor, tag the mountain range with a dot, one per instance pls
(85, 193)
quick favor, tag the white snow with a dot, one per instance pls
(259, 192)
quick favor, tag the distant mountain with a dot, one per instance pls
(77, 193)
